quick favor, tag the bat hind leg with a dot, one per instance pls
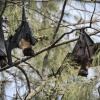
(28, 52)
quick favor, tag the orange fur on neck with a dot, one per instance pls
(23, 44)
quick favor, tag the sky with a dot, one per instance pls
(72, 19)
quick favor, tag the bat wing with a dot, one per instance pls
(3, 53)
(2, 42)
(24, 31)
(84, 48)
(78, 49)
(29, 33)
(88, 43)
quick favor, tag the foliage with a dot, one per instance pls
(44, 17)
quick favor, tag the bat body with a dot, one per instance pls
(3, 53)
(23, 38)
(83, 52)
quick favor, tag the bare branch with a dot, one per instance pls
(62, 14)
(74, 24)
(29, 66)
(60, 69)
(3, 8)
(89, 1)
(92, 14)
(28, 82)
(37, 89)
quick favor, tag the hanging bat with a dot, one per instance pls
(83, 52)
(23, 38)
(3, 53)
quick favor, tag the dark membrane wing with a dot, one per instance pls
(89, 40)
(2, 42)
(23, 14)
(18, 36)
(9, 47)
(24, 31)
(3, 53)
(27, 30)
(29, 33)
(78, 49)
(89, 44)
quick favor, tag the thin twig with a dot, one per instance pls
(28, 82)
(92, 14)
(62, 14)
(29, 66)
(60, 69)
(73, 24)
(81, 9)
(41, 14)
(38, 88)
(3, 8)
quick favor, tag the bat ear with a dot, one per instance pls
(3, 52)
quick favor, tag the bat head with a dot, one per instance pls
(28, 52)
(26, 47)
(84, 64)
(83, 72)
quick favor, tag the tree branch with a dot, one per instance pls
(28, 82)
(53, 45)
(62, 14)
(60, 69)
(92, 14)
(37, 89)
(3, 8)
(30, 66)
(74, 24)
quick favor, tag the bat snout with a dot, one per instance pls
(28, 52)
(83, 73)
